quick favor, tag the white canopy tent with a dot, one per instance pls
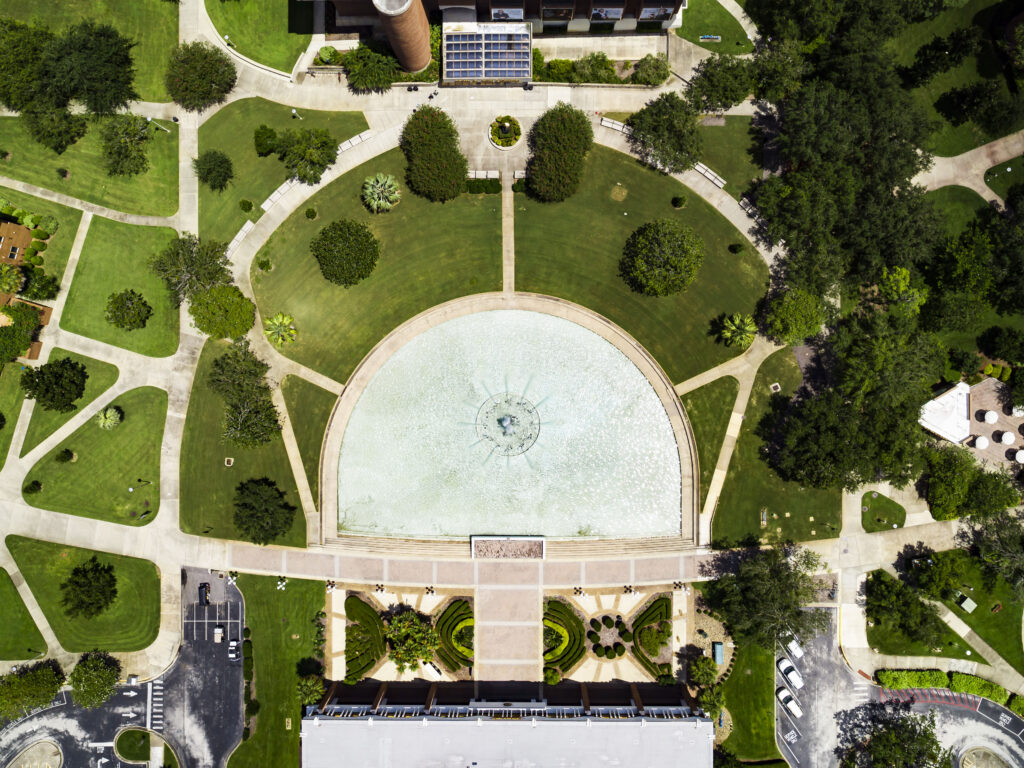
(949, 415)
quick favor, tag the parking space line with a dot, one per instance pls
(790, 750)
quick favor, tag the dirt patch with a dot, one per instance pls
(508, 549)
(618, 193)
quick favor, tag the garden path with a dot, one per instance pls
(968, 169)
(737, 12)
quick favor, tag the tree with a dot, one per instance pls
(890, 735)
(594, 67)
(411, 640)
(712, 700)
(991, 492)
(262, 513)
(661, 258)
(92, 63)
(280, 329)
(188, 266)
(238, 374)
(57, 129)
(651, 70)
(11, 278)
(902, 296)
(38, 285)
(199, 76)
(94, 679)
(55, 385)
(763, 601)
(124, 145)
(307, 153)
(32, 686)
(436, 167)
(367, 70)
(998, 543)
(380, 193)
(214, 169)
(951, 470)
(346, 251)
(703, 671)
(222, 312)
(108, 418)
(719, 82)
(778, 70)
(938, 574)
(89, 590)
(128, 310)
(893, 602)
(962, 279)
(559, 142)
(250, 418)
(16, 336)
(1004, 344)
(664, 134)
(310, 689)
(795, 315)
(265, 140)
(738, 330)
(21, 50)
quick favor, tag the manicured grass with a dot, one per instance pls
(130, 624)
(58, 247)
(133, 745)
(11, 398)
(44, 423)
(1001, 630)
(152, 25)
(207, 486)
(880, 513)
(108, 463)
(309, 408)
(430, 253)
(116, 257)
(19, 636)
(170, 761)
(620, 116)
(282, 635)
(154, 192)
(750, 699)
(272, 32)
(616, 196)
(999, 178)
(709, 409)
(751, 485)
(948, 139)
(958, 206)
(733, 151)
(230, 131)
(708, 17)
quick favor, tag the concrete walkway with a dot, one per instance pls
(968, 169)
(83, 205)
(737, 12)
(508, 236)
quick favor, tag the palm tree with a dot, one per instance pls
(11, 278)
(109, 417)
(738, 330)
(380, 193)
(279, 329)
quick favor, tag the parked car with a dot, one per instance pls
(793, 646)
(204, 594)
(233, 650)
(790, 672)
(786, 699)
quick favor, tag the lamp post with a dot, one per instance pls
(296, 114)
(151, 121)
(227, 41)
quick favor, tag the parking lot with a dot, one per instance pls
(224, 610)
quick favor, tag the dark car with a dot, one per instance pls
(204, 594)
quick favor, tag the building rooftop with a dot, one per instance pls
(486, 51)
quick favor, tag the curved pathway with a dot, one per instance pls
(737, 12)
(968, 169)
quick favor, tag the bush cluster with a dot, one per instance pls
(483, 186)
(963, 683)
(436, 168)
(559, 142)
(896, 679)
(660, 610)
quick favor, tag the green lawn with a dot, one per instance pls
(153, 25)
(154, 192)
(958, 206)
(11, 398)
(207, 486)
(968, 339)
(19, 638)
(170, 761)
(309, 408)
(751, 485)
(230, 131)
(116, 257)
(948, 139)
(708, 17)
(282, 635)
(109, 463)
(999, 178)
(709, 409)
(130, 624)
(1001, 629)
(733, 151)
(430, 253)
(58, 247)
(750, 699)
(616, 196)
(44, 423)
(272, 32)
(880, 513)
(133, 745)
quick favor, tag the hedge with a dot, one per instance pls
(659, 610)
(961, 683)
(1016, 705)
(896, 679)
(364, 639)
(453, 618)
(563, 641)
(561, 614)
(483, 186)
(39, 245)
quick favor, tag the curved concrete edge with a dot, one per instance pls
(592, 321)
(23, 757)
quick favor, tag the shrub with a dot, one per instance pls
(214, 169)
(346, 251)
(652, 69)
(963, 683)
(264, 265)
(896, 679)
(49, 224)
(247, 668)
(1016, 705)
(310, 213)
(595, 624)
(40, 234)
(33, 486)
(987, 370)
(519, 185)
(505, 131)
(436, 166)
(620, 649)
(63, 173)
(608, 622)
(328, 54)
(265, 140)
(64, 456)
(39, 245)
(199, 75)
(380, 193)
(35, 259)
(703, 671)
(108, 418)
(245, 205)
(223, 312)
(654, 636)
(1005, 374)
(29, 254)
(997, 371)
(559, 142)
(679, 201)
(593, 637)
(661, 258)
(552, 676)
(367, 70)
(599, 651)
(128, 310)
(252, 708)
(626, 636)
(306, 153)
(736, 248)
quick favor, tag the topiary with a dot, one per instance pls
(40, 234)
(987, 370)
(608, 621)
(620, 649)
(552, 676)
(595, 624)
(1005, 374)
(29, 253)
(593, 637)
(35, 259)
(627, 636)
(599, 651)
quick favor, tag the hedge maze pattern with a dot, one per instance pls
(452, 619)
(364, 639)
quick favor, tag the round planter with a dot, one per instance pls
(495, 144)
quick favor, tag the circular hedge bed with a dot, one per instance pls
(505, 131)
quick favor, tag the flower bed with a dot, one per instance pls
(505, 132)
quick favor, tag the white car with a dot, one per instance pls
(790, 673)
(786, 699)
(233, 650)
(794, 649)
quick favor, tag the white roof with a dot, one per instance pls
(949, 414)
(525, 743)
